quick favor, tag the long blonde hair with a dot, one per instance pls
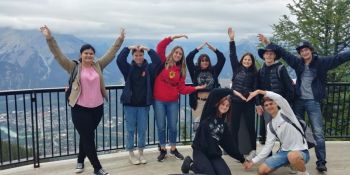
(170, 61)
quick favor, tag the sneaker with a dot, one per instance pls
(186, 165)
(101, 172)
(303, 173)
(321, 167)
(133, 160)
(142, 160)
(292, 170)
(176, 154)
(162, 155)
(79, 168)
(251, 155)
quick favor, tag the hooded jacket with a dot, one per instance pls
(127, 69)
(204, 140)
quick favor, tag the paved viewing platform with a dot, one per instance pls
(338, 157)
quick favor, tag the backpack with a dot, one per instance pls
(72, 76)
(306, 133)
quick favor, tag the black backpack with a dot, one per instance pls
(306, 133)
(72, 76)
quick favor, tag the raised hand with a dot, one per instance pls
(133, 47)
(46, 32)
(259, 110)
(231, 34)
(238, 94)
(201, 46)
(211, 47)
(263, 39)
(122, 33)
(179, 36)
(142, 47)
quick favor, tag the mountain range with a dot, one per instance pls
(26, 61)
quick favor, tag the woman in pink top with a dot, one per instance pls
(87, 93)
(169, 83)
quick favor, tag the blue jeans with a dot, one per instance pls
(166, 111)
(136, 119)
(281, 158)
(313, 110)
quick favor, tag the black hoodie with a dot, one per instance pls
(213, 131)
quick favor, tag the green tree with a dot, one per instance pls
(325, 23)
(16, 151)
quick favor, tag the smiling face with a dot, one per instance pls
(270, 107)
(177, 55)
(269, 57)
(224, 106)
(306, 54)
(247, 61)
(204, 63)
(87, 56)
(138, 57)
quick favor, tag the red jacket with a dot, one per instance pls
(169, 84)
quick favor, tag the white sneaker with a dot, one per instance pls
(79, 168)
(142, 159)
(292, 170)
(303, 173)
(133, 160)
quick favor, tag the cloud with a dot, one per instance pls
(200, 19)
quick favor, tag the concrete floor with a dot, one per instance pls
(338, 158)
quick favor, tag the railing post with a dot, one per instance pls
(35, 137)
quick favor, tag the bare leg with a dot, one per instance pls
(264, 169)
(296, 160)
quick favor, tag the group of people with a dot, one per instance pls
(217, 112)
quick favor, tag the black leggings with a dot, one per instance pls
(247, 111)
(86, 120)
(203, 165)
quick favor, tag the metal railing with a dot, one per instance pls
(35, 125)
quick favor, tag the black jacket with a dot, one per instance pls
(275, 78)
(195, 70)
(204, 141)
(319, 65)
(244, 80)
(127, 69)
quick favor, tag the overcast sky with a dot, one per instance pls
(199, 19)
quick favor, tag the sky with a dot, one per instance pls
(146, 19)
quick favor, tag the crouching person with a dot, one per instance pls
(213, 132)
(293, 150)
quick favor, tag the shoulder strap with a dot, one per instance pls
(272, 129)
(293, 124)
(279, 71)
(74, 72)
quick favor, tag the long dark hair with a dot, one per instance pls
(226, 115)
(253, 66)
(202, 56)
